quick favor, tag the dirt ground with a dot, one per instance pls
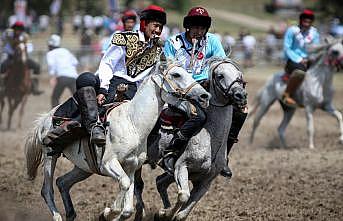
(269, 183)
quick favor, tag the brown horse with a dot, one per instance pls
(17, 84)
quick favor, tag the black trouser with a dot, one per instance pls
(31, 63)
(194, 124)
(291, 66)
(62, 83)
(112, 90)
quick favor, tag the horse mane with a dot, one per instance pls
(211, 61)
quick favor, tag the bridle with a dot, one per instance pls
(226, 92)
(176, 91)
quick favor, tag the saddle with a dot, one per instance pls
(285, 77)
(68, 128)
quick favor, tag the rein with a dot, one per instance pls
(177, 91)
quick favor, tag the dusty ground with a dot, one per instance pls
(269, 183)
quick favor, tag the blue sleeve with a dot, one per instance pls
(287, 46)
(316, 39)
(169, 50)
(218, 50)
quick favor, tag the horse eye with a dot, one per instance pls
(220, 76)
(176, 75)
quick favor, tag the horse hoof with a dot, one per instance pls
(311, 146)
(57, 217)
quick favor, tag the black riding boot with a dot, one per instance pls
(88, 106)
(176, 147)
(238, 118)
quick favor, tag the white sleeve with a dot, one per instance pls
(51, 66)
(108, 63)
(74, 60)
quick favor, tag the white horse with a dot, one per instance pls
(206, 153)
(130, 124)
(315, 92)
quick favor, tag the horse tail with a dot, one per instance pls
(34, 147)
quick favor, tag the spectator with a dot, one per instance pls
(228, 43)
(77, 22)
(271, 43)
(62, 67)
(249, 43)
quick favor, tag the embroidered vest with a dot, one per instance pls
(139, 55)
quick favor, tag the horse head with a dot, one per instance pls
(226, 83)
(20, 52)
(177, 84)
(335, 54)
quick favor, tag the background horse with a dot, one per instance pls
(205, 155)
(17, 84)
(315, 92)
(130, 124)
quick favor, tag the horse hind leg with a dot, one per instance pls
(64, 184)
(288, 113)
(47, 191)
(338, 115)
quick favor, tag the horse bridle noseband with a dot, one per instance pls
(226, 92)
(177, 91)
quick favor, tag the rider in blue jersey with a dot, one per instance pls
(296, 42)
(190, 49)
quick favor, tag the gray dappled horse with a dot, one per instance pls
(125, 152)
(316, 91)
(206, 153)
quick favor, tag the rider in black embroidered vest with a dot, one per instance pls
(125, 62)
(190, 49)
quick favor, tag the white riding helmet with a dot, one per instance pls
(54, 40)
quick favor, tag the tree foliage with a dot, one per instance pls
(330, 8)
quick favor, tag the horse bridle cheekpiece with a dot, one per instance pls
(226, 92)
(176, 90)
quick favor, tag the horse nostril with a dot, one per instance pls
(204, 96)
(240, 96)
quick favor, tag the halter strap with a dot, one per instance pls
(177, 91)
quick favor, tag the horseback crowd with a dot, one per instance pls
(127, 60)
(145, 90)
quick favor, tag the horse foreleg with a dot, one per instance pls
(64, 184)
(338, 115)
(198, 191)
(128, 208)
(181, 178)
(113, 169)
(47, 191)
(163, 181)
(139, 186)
(21, 110)
(310, 127)
(288, 113)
